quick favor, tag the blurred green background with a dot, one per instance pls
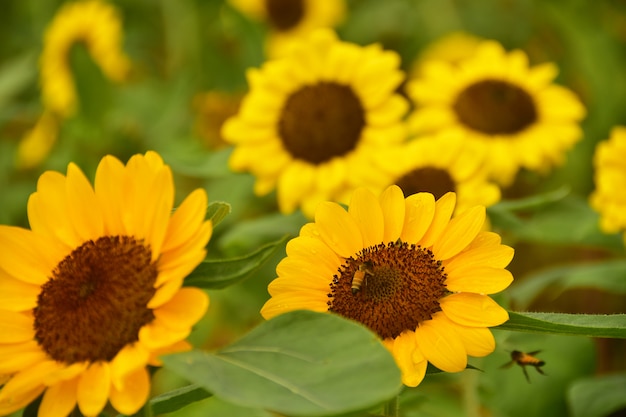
(181, 49)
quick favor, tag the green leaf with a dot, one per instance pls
(177, 399)
(591, 325)
(213, 274)
(301, 363)
(608, 276)
(217, 210)
(567, 221)
(598, 396)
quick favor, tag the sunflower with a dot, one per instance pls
(91, 294)
(212, 109)
(291, 19)
(312, 120)
(495, 99)
(406, 270)
(96, 24)
(610, 177)
(438, 167)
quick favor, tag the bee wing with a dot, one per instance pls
(533, 353)
(507, 365)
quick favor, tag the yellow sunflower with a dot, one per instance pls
(440, 166)
(291, 19)
(95, 23)
(312, 120)
(610, 177)
(406, 270)
(91, 294)
(495, 99)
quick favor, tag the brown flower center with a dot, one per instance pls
(95, 302)
(284, 14)
(427, 179)
(401, 287)
(321, 121)
(495, 107)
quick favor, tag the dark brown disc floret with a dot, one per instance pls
(96, 300)
(432, 180)
(285, 14)
(495, 107)
(321, 121)
(401, 288)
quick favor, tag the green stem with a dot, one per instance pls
(392, 407)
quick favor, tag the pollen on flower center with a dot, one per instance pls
(495, 107)
(95, 302)
(284, 14)
(401, 288)
(321, 121)
(427, 179)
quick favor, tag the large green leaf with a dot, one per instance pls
(224, 272)
(592, 325)
(301, 363)
(176, 399)
(598, 396)
(608, 276)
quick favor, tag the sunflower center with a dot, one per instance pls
(95, 302)
(321, 121)
(284, 14)
(495, 107)
(400, 287)
(427, 179)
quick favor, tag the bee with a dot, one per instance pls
(525, 359)
(359, 276)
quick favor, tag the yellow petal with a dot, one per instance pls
(282, 303)
(16, 295)
(127, 360)
(16, 327)
(186, 220)
(59, 400)
(368, 215)
(183, 310)
(134, 395)
(109, 189)
(165, 293)
(459, 233)
(404, 348)
(313, 249)
(93, 388)
(18, 356)
(393, 207)
(473, 310)
(27, 256)
(439, 343)
(484, 280)
(28, 380)
(156, 335)
(478, 341)
(420, 211)
(443, 211)
(14, 403)
(338, 229)
(82, 205)
(495, 256)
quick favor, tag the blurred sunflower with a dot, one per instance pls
(313, 119)
(291, 19)
(609, 178)
(438, 167)
(452, 47)
(212, 109)
(495, 99)
(95, 23)
(37, 142)
(92, 294)
(424, 276)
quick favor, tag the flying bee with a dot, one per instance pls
(525, 359)
(359, 275)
